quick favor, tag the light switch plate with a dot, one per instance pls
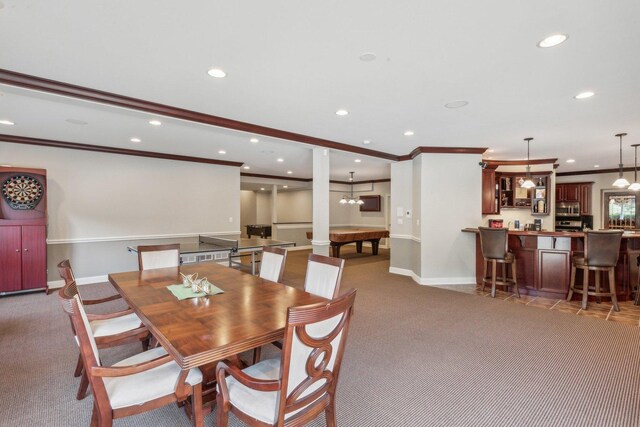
(400, 212)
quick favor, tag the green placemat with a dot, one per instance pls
(180, 292)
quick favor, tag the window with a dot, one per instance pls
(621, 210)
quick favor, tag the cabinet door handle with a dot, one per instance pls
(26, 250)
(17, 250)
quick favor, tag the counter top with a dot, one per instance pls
(625, 235)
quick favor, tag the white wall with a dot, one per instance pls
(451, 198)
(109, 196)
(248, 210)
(295, 206)
(263, 207)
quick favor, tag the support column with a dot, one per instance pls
(320, 240)
(274, 210)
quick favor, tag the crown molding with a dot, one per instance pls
(112, 150)
(593, 172)
(443, 150)
(497, 163)
(40, 84)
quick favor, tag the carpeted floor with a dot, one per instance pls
(417, 356)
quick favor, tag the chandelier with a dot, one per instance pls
(349, 199)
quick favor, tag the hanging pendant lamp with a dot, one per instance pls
(636, 185)
(620, 182)
(350, 199)
(528, 183)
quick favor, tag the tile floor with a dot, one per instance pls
(628, 314)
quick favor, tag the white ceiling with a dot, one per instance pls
(292, 64)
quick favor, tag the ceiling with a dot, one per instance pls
(291, 65)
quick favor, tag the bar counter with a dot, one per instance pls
(543, 261)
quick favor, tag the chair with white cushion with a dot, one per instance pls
(158, 256)
(323, 275)
(272, 263)
(301, 384)
(109, 330)
(137, 384)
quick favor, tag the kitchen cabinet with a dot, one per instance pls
(568, 193)
(585, 198)
(23, 218)
(490, 192)
(576, 192)
(512, 195)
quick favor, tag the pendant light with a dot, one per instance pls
(620, 182)
(349, 199)
(528, 183)
(636, 185)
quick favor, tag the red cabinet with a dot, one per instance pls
(568, 193)
(489, 192)
(23, 236)
(10, 259)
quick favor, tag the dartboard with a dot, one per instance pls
(22, 192)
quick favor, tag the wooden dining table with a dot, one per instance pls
(199, 331)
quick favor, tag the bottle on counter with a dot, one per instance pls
(516, 224)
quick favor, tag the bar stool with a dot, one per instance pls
(493, 243)
(601, 250)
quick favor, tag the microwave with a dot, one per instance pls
(568, 209)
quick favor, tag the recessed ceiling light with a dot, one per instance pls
(247, 167)
(280, 160)
(596, 166)
(584, 95)
(155, 122)
(222, 152)
(553, 40)
(76, 122)
(6, 122)
(366, 142)
(456, 104)
(571, 160)
(254, 140)
(217, 73)
(491, 150)
(135, 140)
(262, 188)
(342, 113)
(408, 133)
(285, 186)
(289, 172)
(368, 57)
(357, 160)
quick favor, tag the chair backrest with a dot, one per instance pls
(70, 288)
(313, 346)
(601, 248)
(493, 242)
(158, 256)
(272, 263)
(323, 275)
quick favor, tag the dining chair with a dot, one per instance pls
(110, 330)
(137, 384)
(158, 256)
(323, 275)
(323, 278)
(272, 263)
(297, 387)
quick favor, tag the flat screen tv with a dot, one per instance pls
(371, 203)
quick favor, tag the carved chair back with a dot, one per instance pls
(315, 338)
(601, 248)
(493, 242)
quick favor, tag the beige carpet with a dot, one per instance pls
(417, 356)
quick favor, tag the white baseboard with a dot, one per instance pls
(299, 248)
(433, 281)
(56, 284)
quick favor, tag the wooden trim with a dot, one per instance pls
(290, 178)
(65, 89)
(112, 150)
(519, 162)
(593, 172)
(442, 150)
(369, 181)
